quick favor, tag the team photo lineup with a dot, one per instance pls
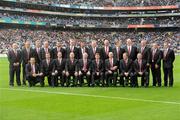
(77, 65)
(89, 59)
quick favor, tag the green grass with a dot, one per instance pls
(34, 104)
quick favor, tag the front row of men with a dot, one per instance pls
(95, 72)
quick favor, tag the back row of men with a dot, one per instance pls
(105, 66)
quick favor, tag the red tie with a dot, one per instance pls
(142, 50)
(107, 51)
(46, 50)
(85, 65)
(117, 53)
(129, 50)
(126, 61)
(15, 52)
(33, 69)
(111, 63)
(94, 50)
(71, 48)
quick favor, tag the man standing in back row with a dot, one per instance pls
(14, 58)
(168, 59)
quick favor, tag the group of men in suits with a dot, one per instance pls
(91, 65)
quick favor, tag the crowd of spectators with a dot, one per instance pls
(101, 3)
(9, 36)
(92, 21)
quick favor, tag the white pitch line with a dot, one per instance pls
(95, 96)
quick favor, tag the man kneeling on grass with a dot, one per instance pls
(33, 73)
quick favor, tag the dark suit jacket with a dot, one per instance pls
(108, 65)
(71, 67)
(37, 55)
(96, 68)
(137, 66)
(91, 53)
(168, 59)
(126, 68)
(12, 58)
(81, 65)
(43, 53)
(59, 67)
(75, 50)
(133, 54)
(29, 69)
(54, 52)
(145, 54)
(121, 51)
(47, 69)
(80, 54)
(25, 58)
(103, 53)
(157, 57)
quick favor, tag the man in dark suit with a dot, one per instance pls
(93, 49)
(72, 48)
(83, 49)
(140, 68)
(111, 66)
(85, 69)
(97, 70)
(145, 51)
(45, 50)
(27, 53)
(14, 58)
(71, 70)
(59, 69)
(168, 59)
(155, 56)
(47, 70)
(33, 72)
(126, 66)
(118, 54)
(36, 51)
(57, 49)
(131, 50)
(105, 50)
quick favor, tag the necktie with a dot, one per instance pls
(129, 50)
(117, 53)
(15, 52)
(94, 50)
(47, 62)
(154, 51)
(46, 50)
(85, 65)
(28, 53)
(142, 50)
(139, 61)
(111, 62)
(33, 69)
(165, 53)
(97, 63)
(107, 51)
(60, 61)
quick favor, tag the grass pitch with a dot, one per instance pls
(24, 103)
